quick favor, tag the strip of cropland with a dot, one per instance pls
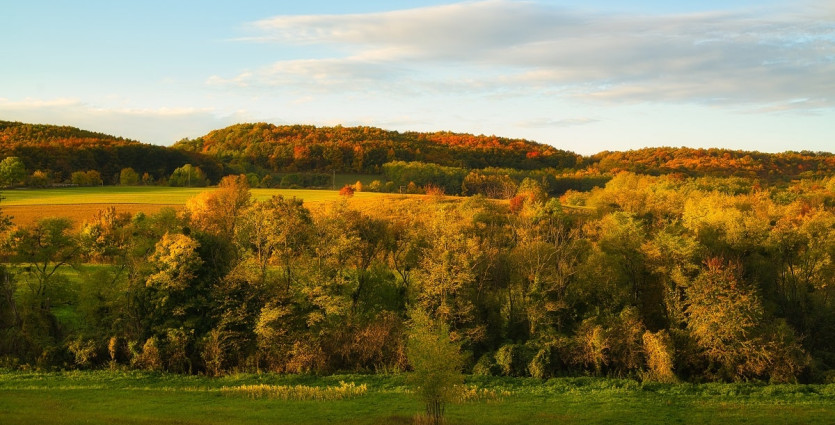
(80, 203)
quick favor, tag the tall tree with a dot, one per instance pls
(436, 364)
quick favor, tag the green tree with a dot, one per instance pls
(276, 230)
(436, 364)
(128, 177)
(188, 176)
(12, 171)
(45, 248)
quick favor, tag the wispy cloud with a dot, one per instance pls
(556, 123)
(752, 58)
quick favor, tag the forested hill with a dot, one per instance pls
(263, 149)
(59, 151)
(14, 134)
(365, 149)
(716, 162)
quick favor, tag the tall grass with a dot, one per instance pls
(298, 392)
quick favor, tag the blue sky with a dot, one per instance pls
(583, 76)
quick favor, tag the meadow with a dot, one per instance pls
(107, 397)
(80, 203)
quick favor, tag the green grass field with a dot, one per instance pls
(148, 195)
(147, 398)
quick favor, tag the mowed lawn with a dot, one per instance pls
(148, 398)
(80, 203)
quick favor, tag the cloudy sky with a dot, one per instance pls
(583, 76)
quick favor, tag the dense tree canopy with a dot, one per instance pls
(659, 278)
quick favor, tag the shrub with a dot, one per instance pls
(346, 191)
(178, 360)
(659, 351)
(544, 363)
(84, 351)
(149, 358)
(213, 348)
(592, 346)
(486, 366)
(513, 359)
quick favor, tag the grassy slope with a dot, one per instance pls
(139, 398)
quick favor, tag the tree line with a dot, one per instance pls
(655, 277)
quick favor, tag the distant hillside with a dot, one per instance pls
(61, 150)
(14, 134)
(267, 147)
(716, 162)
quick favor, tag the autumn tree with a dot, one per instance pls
(545, 258)
(448, 273)
(728, 321)
(218, 212)
(177, 299)
(276, 230)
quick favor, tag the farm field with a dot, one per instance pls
(80, 203)
(103, 397)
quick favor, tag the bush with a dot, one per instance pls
(545, 362)
(486, 366)
(213, 349)
(84, 351)
(658, 349)
(150, 357)
(513, 359)
(346, 191)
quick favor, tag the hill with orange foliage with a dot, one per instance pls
(716, 162)
(365, 149)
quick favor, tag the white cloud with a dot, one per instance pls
(160, 126)
(755, 58)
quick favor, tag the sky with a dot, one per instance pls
(582, 76)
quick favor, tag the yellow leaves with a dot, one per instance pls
(660, 353)
(176, 262)
(270, 324)
(216, 211)
(738, 221)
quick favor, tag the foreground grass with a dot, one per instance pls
(146, 398)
